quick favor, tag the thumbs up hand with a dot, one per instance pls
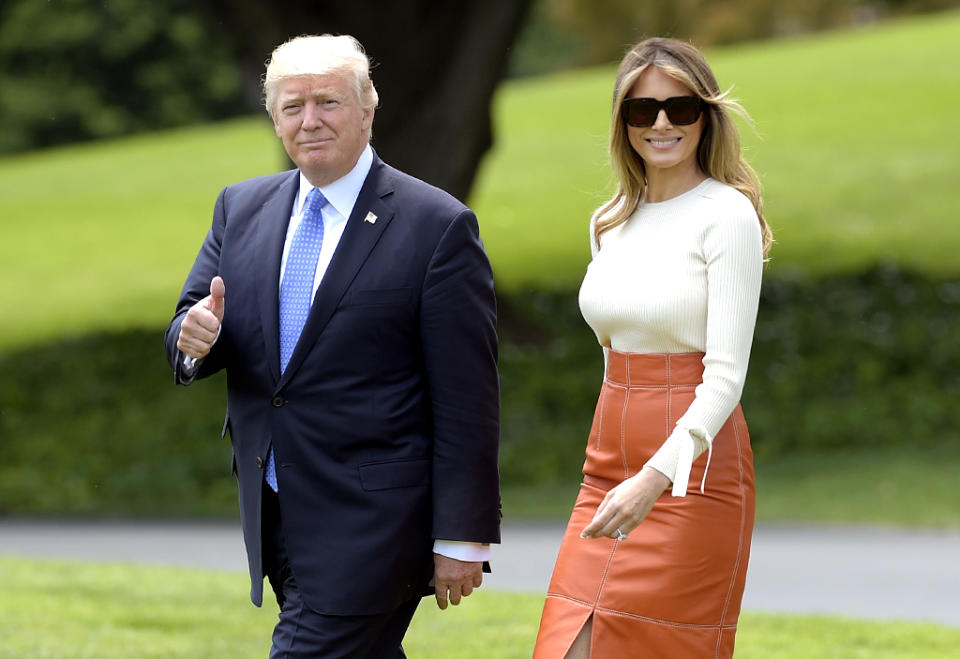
(201, 326)
(215, 300)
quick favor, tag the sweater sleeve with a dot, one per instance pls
(733, 254)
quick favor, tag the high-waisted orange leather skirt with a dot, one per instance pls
(672, 589)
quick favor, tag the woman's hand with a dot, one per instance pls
(626, 505)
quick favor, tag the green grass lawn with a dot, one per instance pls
(112, 246)
(63, 610)
(856, 147)
(902, 487)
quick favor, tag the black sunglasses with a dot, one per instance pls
(643, 112)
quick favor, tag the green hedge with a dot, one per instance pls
(843, 362)
(73, 70)
(865, 360)
(95, 424)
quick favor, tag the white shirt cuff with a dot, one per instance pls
(674, 459)
(470, 552)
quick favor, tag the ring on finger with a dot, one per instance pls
(621, 535)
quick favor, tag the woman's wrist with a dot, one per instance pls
(656, 477)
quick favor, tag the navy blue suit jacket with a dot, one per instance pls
(385, 423)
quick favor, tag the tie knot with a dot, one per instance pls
(315, 201)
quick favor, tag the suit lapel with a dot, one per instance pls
(358, 240)
(272, 223)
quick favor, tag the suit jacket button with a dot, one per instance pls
(259, 462)
(278, 401)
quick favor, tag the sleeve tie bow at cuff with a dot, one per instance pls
(688, 448)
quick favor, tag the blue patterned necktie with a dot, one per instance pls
(296, 290)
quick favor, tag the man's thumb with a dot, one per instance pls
(217, 292)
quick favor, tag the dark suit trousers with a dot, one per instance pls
(304, 633)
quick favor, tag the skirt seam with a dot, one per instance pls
(669, 411)
(570, 598)
(603, 407)
(659, 621)
(603, 578)
(743, 512)
(623, 429)
(669, 623)
(659, 387)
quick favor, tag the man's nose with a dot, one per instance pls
(312, 116)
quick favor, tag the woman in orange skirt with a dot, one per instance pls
(671, 294)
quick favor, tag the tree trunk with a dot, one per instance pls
(436, 65)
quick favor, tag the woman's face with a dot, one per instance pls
(666, 149)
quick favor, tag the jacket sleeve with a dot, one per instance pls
(459, 339)
(205, 267)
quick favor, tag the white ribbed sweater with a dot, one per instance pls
(682, 275)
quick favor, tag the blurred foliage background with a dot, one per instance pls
(121, 121)
(565, 33)
(77, 70)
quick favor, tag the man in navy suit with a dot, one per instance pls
(365, 422)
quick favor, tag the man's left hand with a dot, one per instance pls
(457, 577)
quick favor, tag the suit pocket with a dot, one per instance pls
(409, 472)
(376, 297)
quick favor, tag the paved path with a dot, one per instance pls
(861, 572)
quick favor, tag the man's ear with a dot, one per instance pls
(367, 120)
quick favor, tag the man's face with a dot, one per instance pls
(321, 124)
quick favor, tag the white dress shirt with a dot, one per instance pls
(341, 197)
